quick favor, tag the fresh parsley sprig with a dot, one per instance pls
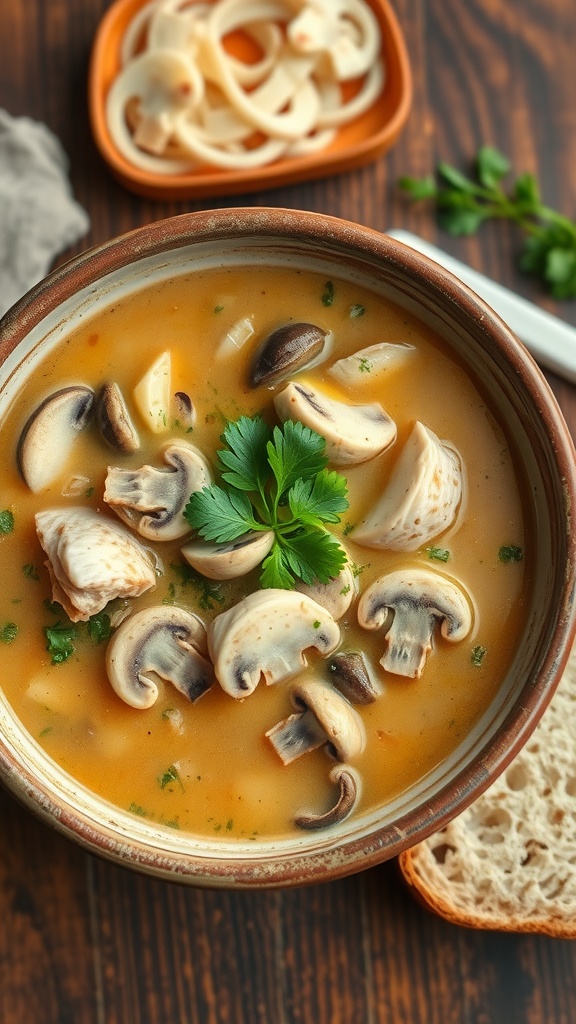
(463, 204)
(275, 479)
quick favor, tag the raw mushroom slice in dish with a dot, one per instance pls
(422, 498)
(353, 433)
(91, 560)
(152, 501)
(165, 84)
(323, 718)
(229, 560)
(163, 641)
(419, 600)
(267, 635)
(48, 436)
(370, 364)
(350, 675)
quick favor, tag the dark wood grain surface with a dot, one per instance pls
(85, 942)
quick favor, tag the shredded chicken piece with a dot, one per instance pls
(91, 560)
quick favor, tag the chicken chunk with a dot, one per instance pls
(91, 560)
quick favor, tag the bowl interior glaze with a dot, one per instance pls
(536, 430)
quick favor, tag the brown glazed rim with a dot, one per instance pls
(457, 302)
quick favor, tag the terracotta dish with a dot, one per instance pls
(357, 143)
(511, 385)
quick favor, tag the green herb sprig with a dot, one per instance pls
(275, 479)
(463, 204)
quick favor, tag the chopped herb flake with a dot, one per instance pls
(316, 623)
(99, 628)
(6, 521)
(328, 294)
(365, 365)
(477, 655)
(60, 642)
(218, 309)
(45, 731)
(8, 632)
(510, 553)
(356, 310)
(30, 571)
(170, 775)
(137, 809)
(438, 554)
(89, 492)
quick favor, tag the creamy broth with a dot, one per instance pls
(228, 780)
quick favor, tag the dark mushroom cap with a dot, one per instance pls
(284, 351)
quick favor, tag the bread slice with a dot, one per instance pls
(508, 862)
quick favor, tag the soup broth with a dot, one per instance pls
(207, 768)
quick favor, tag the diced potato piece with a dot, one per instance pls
(152, 394)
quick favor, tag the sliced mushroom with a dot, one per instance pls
(349, 674)
(343, 776)
(227, 561)
(47, 438)
(370, 363)
(152, 394)
(91, 560)
(422, 496)
(114, 421)
(266, 634)
(419, 600)
(151, 500)
(162, 641)
(336, 595)
(185, 410)
(286, 350)
(353, 433)
(324, 718)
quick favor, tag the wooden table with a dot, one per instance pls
(85, 942)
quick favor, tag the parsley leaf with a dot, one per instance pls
(276, 481)
(438, 554)
(320, 499)
(220, 515)
(244, 461)
(464, 203)
(510, 553)
(60, 642)
(477, 655)
(295, 453)
(328, 294)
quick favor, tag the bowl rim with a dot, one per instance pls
(353, 854)
(338, 158)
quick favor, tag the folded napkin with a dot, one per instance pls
(38, 215)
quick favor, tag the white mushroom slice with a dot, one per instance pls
(163, 641)
(266, 635)
(114, 421)
(166, 84)
(343, 776)
(422, 496)
(324, 718)
(336, 595)
(227, 561)
(353, 433)
(370, 363)
(91, 560)
(47, 438)
(152, 394)
(151, 500)
(419, 600)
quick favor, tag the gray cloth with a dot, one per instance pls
(38, 215)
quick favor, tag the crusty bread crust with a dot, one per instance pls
(508, 862)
